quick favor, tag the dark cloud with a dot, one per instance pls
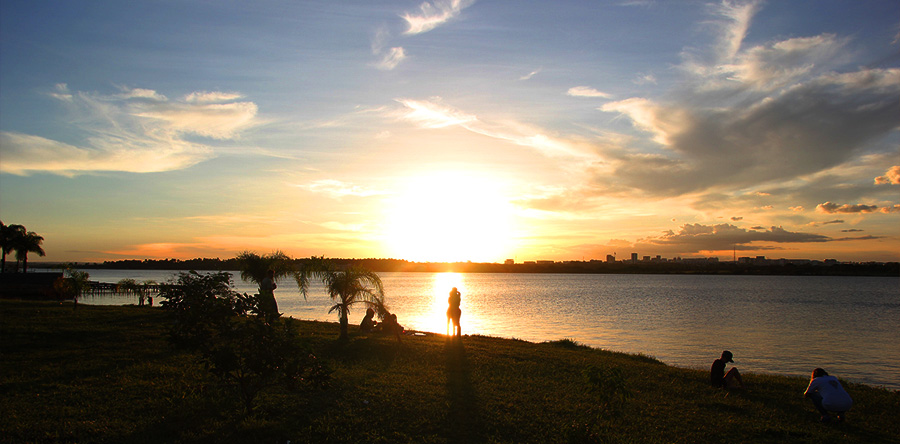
(832, 208)
(857, 238)
(852, 230)
(698, 237)
(808, 128)
(737, 218)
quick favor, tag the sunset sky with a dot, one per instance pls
(452, 130)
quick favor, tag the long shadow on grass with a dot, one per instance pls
(464, 418)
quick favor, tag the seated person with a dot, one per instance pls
(368, 323)
(828, 395)
(718, 377)
(390, 326)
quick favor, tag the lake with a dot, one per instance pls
(773, 324)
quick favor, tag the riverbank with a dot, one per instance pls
(108, 374)
(757, 267)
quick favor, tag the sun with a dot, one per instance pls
(449, 217)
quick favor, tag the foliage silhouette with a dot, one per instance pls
(9, 237)
(29, 243)
(346, 286)
(244, 352)
(72, 283)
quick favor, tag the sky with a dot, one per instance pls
(458, 130)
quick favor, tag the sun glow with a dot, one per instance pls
(450, 217)
(437, 316)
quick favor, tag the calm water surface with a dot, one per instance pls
(773, 324)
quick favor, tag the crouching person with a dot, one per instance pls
(828, 395)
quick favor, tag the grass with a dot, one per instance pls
(108, 374)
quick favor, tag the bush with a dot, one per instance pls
(243, 351)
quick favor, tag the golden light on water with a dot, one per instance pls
(440, 291)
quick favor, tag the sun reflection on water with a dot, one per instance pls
(440, 292)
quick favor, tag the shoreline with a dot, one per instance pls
(109, 374)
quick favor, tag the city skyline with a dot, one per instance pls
(456, 130)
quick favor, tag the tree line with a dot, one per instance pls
(16, 238)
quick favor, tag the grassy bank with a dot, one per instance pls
(108, 374)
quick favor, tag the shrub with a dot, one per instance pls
(243, 351)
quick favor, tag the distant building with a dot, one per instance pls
(610, 258)
(545, 262)
(510, 262)
(634, 258)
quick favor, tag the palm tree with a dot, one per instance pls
(8, 239)
(30, 243)
(347, 287)
(254, 267)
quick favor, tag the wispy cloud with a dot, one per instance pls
(338, 189)
(586, 91)
(531, 74)
(433, 114)
(429, 114)
(391, 59)
(433, 14)
(136, 130)
(211, 97)
(645, 79)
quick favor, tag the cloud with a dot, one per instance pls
(892, 176)
(586, 91)
(24, 154)
(749, 116)
(797, 208)
(852, 230)
(645, 79)
(735, 219)
(338, 189)
(831, 208)
(891, 209)
(777, 64)
(61, 92)
(433, 14)
(136, 130)
(213, 120)
(429, 114)
(699, 237)
(805, 129)
(531, 74)
(211, 97)
(831, 222)
(392, 59)
(435, 115)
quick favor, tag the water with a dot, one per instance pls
(773, 324)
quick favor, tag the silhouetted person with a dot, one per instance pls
(454, 312)
(267, 304)
(390, 326)
(828, 395)
(368, 323)
(718, 377)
